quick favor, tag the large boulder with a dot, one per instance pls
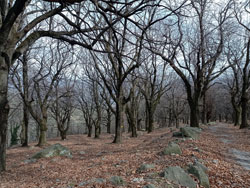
(172, 148)
(177, 175)
(53, 151)
(200, 172)
(191, 132)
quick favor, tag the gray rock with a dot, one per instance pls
(177, 134)
(30, 161)
(149, 186)
(197, 149)
(191, 132)
(93, 181)
(138, 180)
(83, 183)
(82, 152)
(54, 160)
(172, 148)
(52, 151)
(99, 180)
(200, 174)
(177, 175)
(204, 168)
(145, 167)
(117, 181)
(215, 161)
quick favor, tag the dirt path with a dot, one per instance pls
(237, 143)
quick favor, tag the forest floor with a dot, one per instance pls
(222, 148)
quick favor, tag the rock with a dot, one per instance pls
(138, 180)
(98, 180)
(82, 152)
(54, 160)
(200, 174)
(191, 132)
(177, 134)
(177, 175)
(117, 180)
(172, 148)
(149, 186)
(93, 181)
(197, 149)
(30, 161)
(52, 151)
(215, 161)
(204, 168)
(145, 167)
(83, 183)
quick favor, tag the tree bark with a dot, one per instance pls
(245, 86)
(237, 114)
(150, 120)
(89, 130)
(204, 109)
(244, 101)
(42, 137)
(97, 131)
(109, 121)
(132, 121)
(4, 110)
(25, 127)
(63, 135)
(194, 115)
(118, 121)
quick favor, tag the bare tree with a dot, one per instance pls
(154, 85)
(242, 15)
(49, 67)
(198, 53)
(86, 105)
(19, 29)
(16, 35)
(63, 103)
(132, 107)
(176, 100)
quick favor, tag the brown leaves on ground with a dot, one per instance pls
(98, 158)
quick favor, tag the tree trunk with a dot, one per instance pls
(89, 130)
(150, 121)
(24, 132)
(4, 111)
(118, 121)
(177, 122)
(131, 117)
(43, 131)
(108, 121)
(237, 118)
(97, 130)
(245, 86)
(139, 124)
(170, 118)
(244, 102)
(146, 118)
(194, 115)
(63, 135)
(25, 127)
(204, 109)
(134, 132)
